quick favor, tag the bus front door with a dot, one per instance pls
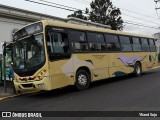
(60, 64)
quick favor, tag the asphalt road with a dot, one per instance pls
(126, 93)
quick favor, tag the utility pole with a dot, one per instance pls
(4, 65)
(157, 8)
(156, 1)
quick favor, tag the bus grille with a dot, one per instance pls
(28, 85)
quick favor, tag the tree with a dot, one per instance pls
(78, 14)
(115, 20)
(103, 12)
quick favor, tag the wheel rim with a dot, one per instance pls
(82, 79)
(138, 70)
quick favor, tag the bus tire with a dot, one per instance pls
(82, 80)
(137, 69)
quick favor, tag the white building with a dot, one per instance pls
(12, 19)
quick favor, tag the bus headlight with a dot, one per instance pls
(40, 77)
(41, 86)
(41, 74)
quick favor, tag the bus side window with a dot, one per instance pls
(57, 45)
(79, 42)
(152, 45)
(112, 42)
(96, 41)
(145, 45)
(125, 43)
(136, 44)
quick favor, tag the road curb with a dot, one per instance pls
(3, 98)
(8, 97)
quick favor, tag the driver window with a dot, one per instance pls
(57, 43)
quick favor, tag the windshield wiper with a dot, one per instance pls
(34, 42)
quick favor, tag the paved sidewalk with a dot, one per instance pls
(9, 91)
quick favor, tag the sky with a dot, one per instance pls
(141, 13)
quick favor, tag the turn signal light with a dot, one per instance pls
(35, 77)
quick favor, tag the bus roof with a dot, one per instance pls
(87, 28)
(90, 28)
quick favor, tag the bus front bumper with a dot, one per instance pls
(34, 85)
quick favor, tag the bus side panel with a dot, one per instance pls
(150, 61)
(100, 63)
(61, 73)
(114, 64)
(118, 64)
(81, 61)
(143, 62)
(96, 63)
(154, 59)
(128, 62)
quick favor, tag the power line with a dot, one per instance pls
(74, 11)
(141, 19)
(128, 10)
(137, 13)
(133, 7)
(81, 1)
(84, 11)
(139, 24)
(59, 5)
(50, 5)
(134, 12)
(85, 1)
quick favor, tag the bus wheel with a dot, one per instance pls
(137, 69)
(82, 80)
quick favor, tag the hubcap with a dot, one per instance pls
(82, 79)
(138, 70)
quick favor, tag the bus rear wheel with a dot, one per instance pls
(82, 80)
(137, 69)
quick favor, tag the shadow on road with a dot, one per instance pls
(71, 90)
(121, 78)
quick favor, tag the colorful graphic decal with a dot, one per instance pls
(154, 57)
(68, 70)
(119, 73)
(150, 65)
(130, 61)
(152, 60)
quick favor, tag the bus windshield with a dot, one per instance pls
(28, 52)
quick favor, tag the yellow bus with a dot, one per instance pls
(48, 55)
